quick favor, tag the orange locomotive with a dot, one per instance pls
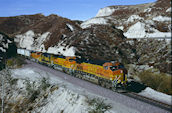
(107, 74)
(36, 56)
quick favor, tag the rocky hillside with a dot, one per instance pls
(38, 32)
(7, 49)
(103, 37)
(103, 42)
(153, 53)
(14, 25)
(137, 21)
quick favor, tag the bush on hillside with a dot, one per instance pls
(98, 105)
(44, 83)
(15, 62)
(157, 81)
(34, 90)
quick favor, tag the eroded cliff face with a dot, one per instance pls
(137, 21)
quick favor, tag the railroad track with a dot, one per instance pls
(149, 100)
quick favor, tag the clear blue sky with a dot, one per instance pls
(72, 9)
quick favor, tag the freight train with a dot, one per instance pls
(109, 74)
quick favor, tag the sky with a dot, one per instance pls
(72, 9)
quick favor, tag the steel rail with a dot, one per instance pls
(149, 100)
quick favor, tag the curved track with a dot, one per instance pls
(130, 100)
(149, 101)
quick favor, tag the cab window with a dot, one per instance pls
(71, 60)
(113, 68)
(106, 67)
(55, 56)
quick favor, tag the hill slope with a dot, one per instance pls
(137, 21)
(99, 38)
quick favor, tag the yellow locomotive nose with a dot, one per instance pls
(118, 75)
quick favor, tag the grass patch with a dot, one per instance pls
(15, 62)
(157, 81)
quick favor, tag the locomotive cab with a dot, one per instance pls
(71, 59)
(70, 62)
(36, 56)
(46, 58)
(117, 73)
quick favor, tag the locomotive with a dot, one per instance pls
(109, 74)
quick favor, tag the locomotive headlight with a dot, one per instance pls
(121, 71)
(119, 81)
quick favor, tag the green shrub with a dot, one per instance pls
(158, 81)
(97, 106)
(10, 62)
(15, 62)
(165, 85)
(44, 83)
(32, 90)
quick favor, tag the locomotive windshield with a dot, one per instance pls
(56, 56)
(71, 60)
(113, 68)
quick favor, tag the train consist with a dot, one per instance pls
(112, 75)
